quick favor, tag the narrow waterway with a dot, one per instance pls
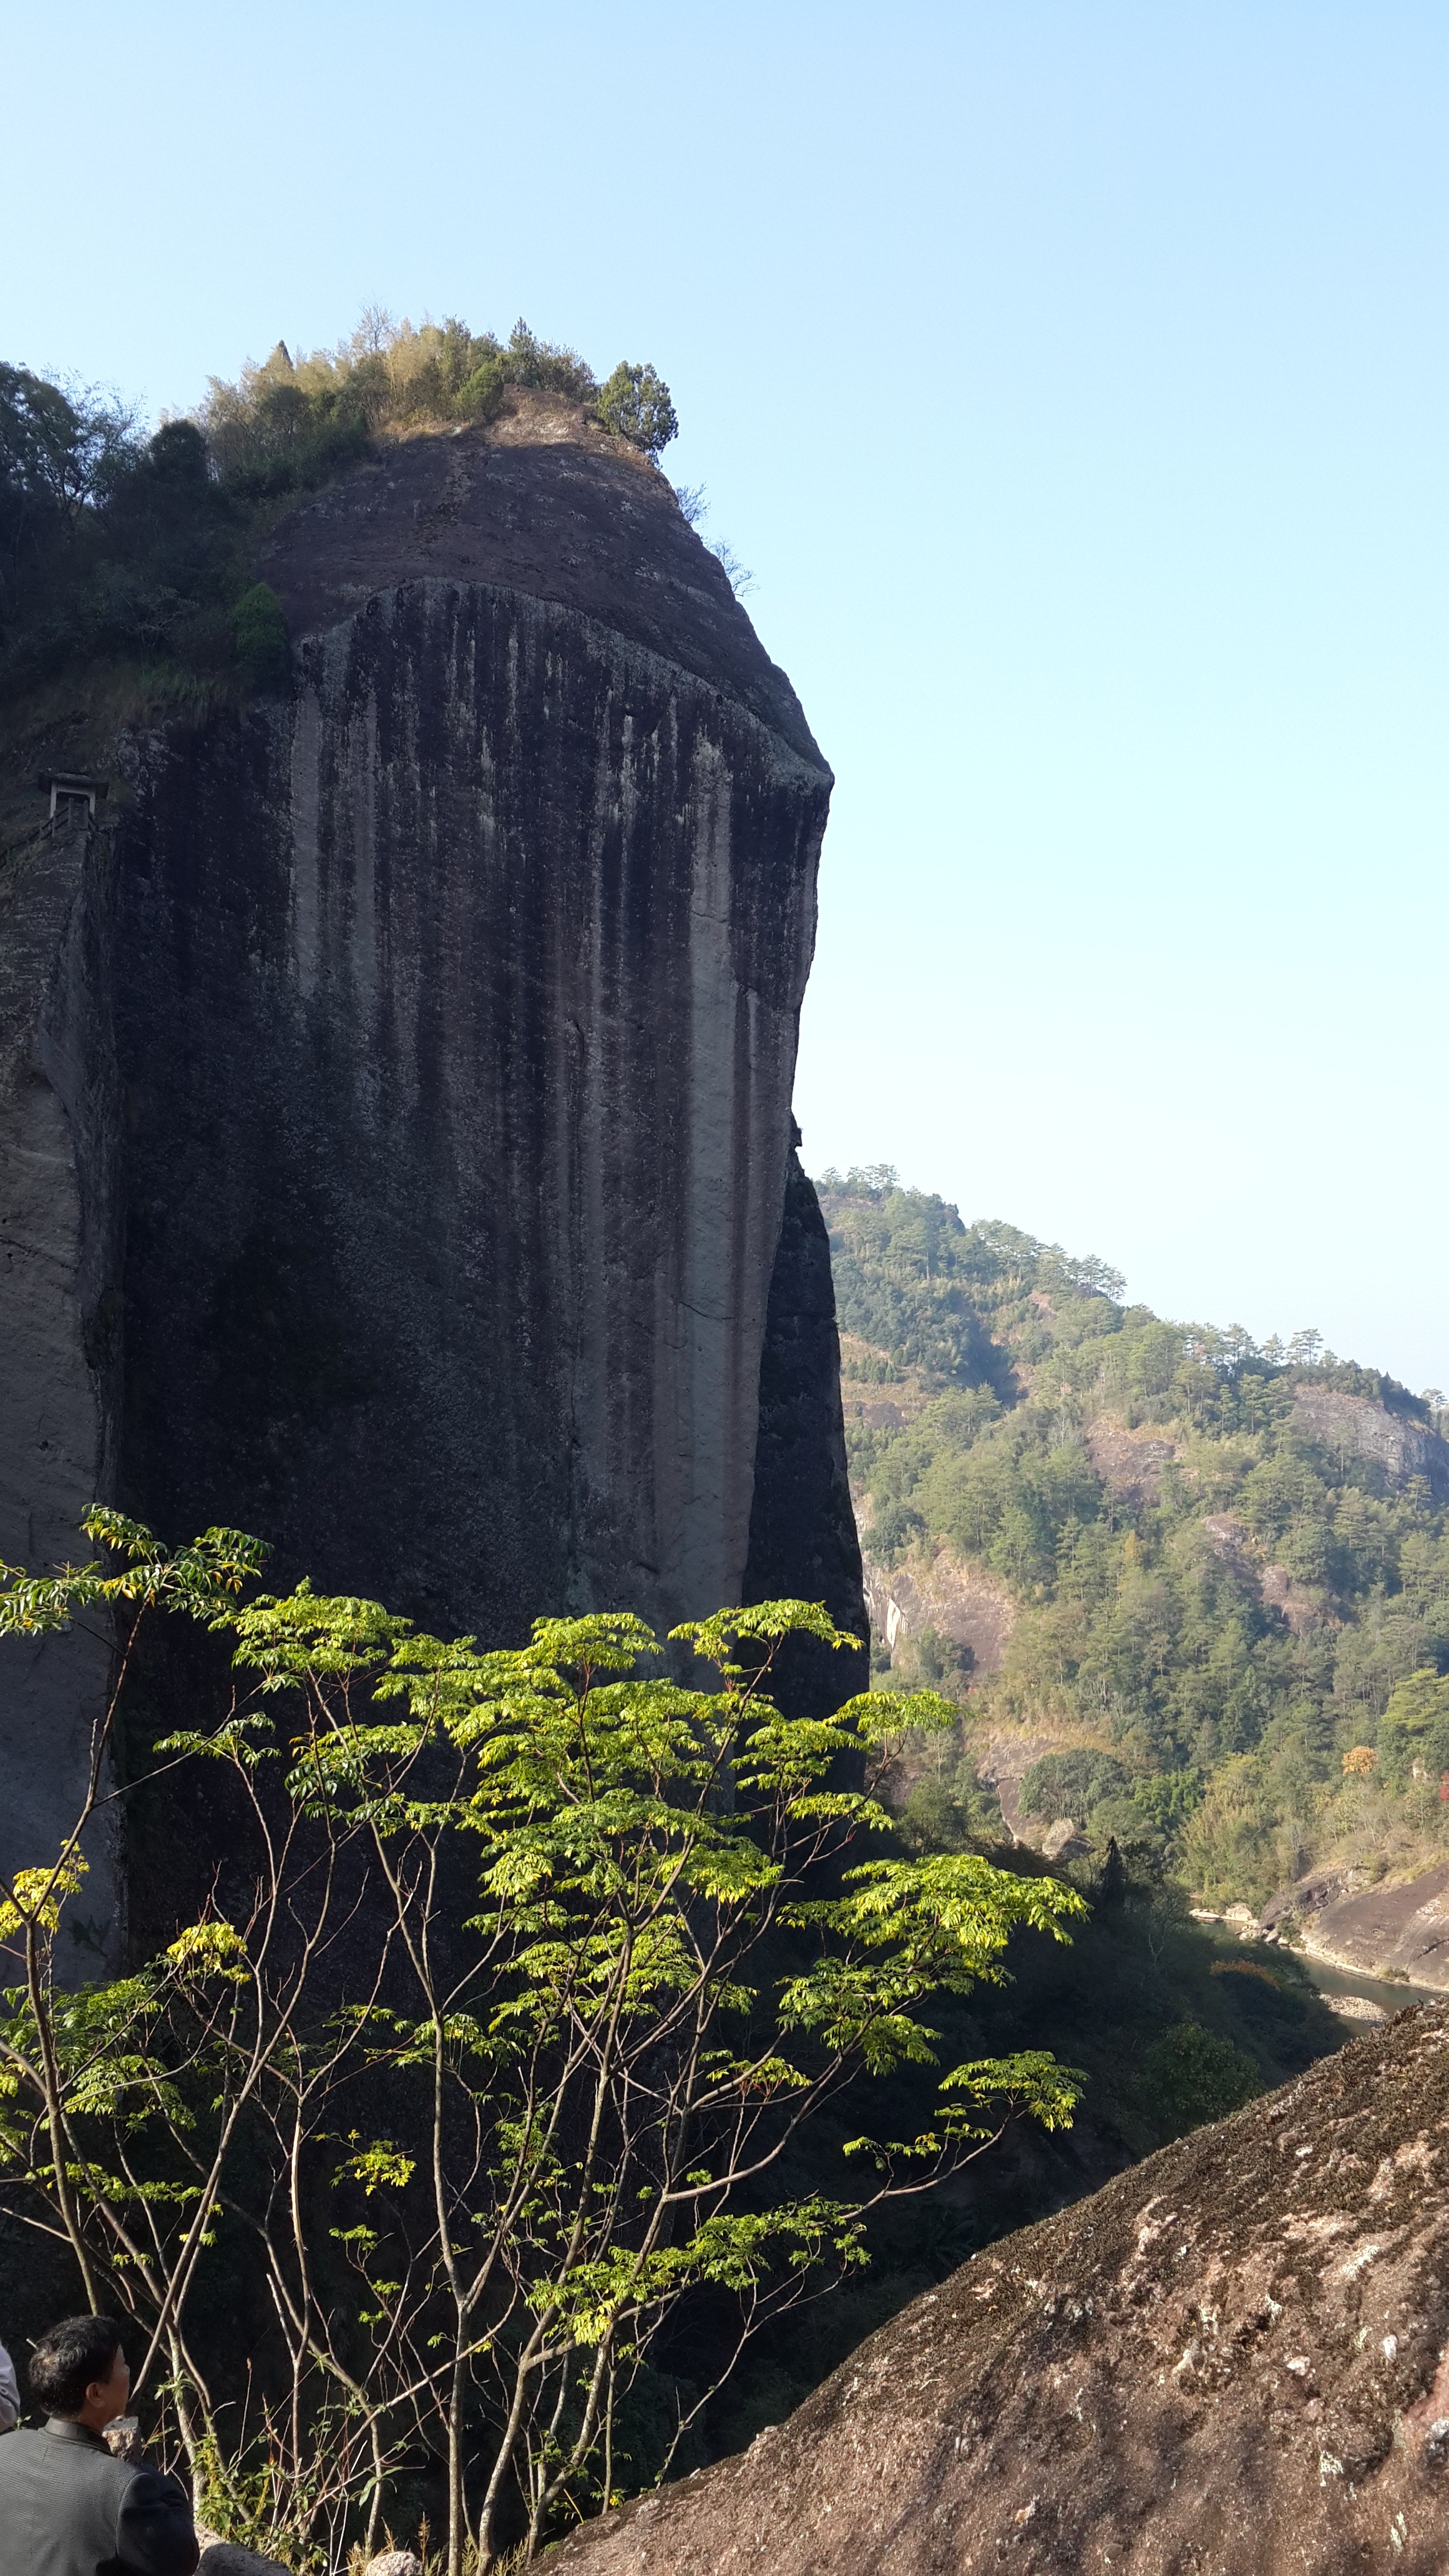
(1391, 1997)
(1347, 1981)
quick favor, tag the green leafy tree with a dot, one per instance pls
(1197, 2076)
(59, 453)
(1414, 1728)
(611, 1944)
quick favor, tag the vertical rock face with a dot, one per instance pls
(803, 1543)
(397, 1092)
(59, 1258)
(461, 1036)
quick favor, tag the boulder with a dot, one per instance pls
(1233, 2361)
(227, 2558)
(1061, 1841)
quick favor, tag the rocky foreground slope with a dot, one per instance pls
(1232, 2361)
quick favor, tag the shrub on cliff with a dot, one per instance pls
(1196, 2076)
(290, 419)
(636, 405)
(259, 634)
(538, 1968)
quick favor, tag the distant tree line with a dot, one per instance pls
(1218, 1726)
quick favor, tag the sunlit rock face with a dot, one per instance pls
(1233, 2361)
(422, 1130)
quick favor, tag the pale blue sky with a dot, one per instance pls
(1074, 379)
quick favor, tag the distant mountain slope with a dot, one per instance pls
(1223, 1568)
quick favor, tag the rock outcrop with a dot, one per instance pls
(938, 1591)
(1234, 2360)
(1130, 1463)
(395, 1087)
(1363, 1429)
(1397, 1929)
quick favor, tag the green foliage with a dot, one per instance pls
(292, 421)
(1151, 1495)
(635, 404)
(624, 1942)
(205, 1580)
(59, 452)
(259, 635)
(1197, 2075)
(114, 545)
(1414, 1728)
(1072, 1784)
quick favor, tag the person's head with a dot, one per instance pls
(79, 2370)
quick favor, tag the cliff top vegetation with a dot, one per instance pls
(282, 420)
(122, 547)
(1227, 1564)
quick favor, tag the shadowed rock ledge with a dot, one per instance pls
(803, 1543)
(1232, 2361)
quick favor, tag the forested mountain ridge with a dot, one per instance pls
(1206, 1583)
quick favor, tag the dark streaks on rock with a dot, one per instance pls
(414, 1055)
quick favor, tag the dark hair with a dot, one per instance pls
(65, 2361)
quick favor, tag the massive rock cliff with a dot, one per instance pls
(1233, 2361)
(395, 1092)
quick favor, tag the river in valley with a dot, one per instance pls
(1376, 1990)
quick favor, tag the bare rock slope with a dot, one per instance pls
(1393, 1931)
(1233, 2361)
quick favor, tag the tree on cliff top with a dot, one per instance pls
(521, 1980)
(636, 405)
(59, 453)
(114, 545)
(276, 421)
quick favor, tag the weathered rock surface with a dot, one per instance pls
(1130, 1463)
(1301, 1604)
(59, 1260)
(1379, 1931)
(395, 1087)
(228, 2558)
(1234, 2361)
(963, 1602)
(1402, 1447)
(1003, 1767)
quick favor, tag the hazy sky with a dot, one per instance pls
(1074, 379)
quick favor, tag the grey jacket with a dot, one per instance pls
(68, 2509)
